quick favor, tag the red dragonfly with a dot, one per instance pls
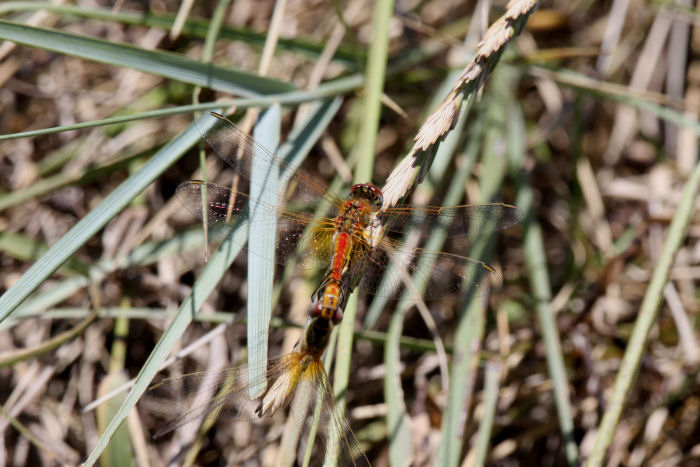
(297, 379)
(353, 238)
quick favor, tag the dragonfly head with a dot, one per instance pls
(368, 192)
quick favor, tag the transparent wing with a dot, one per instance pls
(224, 394)
(240, 151)
(223, 206)
(209, 394)
(384, 270)
(333, 440)
(466, 220)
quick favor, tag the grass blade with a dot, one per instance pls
(264, 186)
(217, 266)
(536, 261)
(195, 27)
(120, 451)
(398, 420)
(76, 237)
(159, 63)
(629, 366)
(468, 336)
(493, 371)
(326, 90)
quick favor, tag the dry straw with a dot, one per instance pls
(416, 163)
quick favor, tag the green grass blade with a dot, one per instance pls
(301, 140)
(214, 29)
(326, 90)
(195, 27)
(536, 261)
(467, 339)
(120, 450)
(374, 87)
(217, 266)
(239, 103)
(493, 371)
(76, 237)
(629, 366)
(398, 420)
(159, 63)
(399, 432)
(133, 313)
(264, 186)
(468, 336)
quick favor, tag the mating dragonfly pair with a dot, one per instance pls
(354, 240)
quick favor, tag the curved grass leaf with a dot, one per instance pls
(217, 266)
(159, 63)
(76, 237)
(323, 91)
(194, 27)
(648, 312)
(493, 371)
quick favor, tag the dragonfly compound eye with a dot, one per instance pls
(369, 192)
(337, 316)
(316, 309)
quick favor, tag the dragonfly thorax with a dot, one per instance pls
(364, 200)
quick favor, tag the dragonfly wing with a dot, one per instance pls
(239, 150)
(296, 231)
(315, 246)
(224, 393)
(328, 436)
(210, 394)
(217, 204)
(467, 220)
(431, 274)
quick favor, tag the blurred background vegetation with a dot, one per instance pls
(588, 351)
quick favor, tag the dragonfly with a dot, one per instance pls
(297, 380)
(354, 238)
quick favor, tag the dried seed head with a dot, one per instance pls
(445, 116)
